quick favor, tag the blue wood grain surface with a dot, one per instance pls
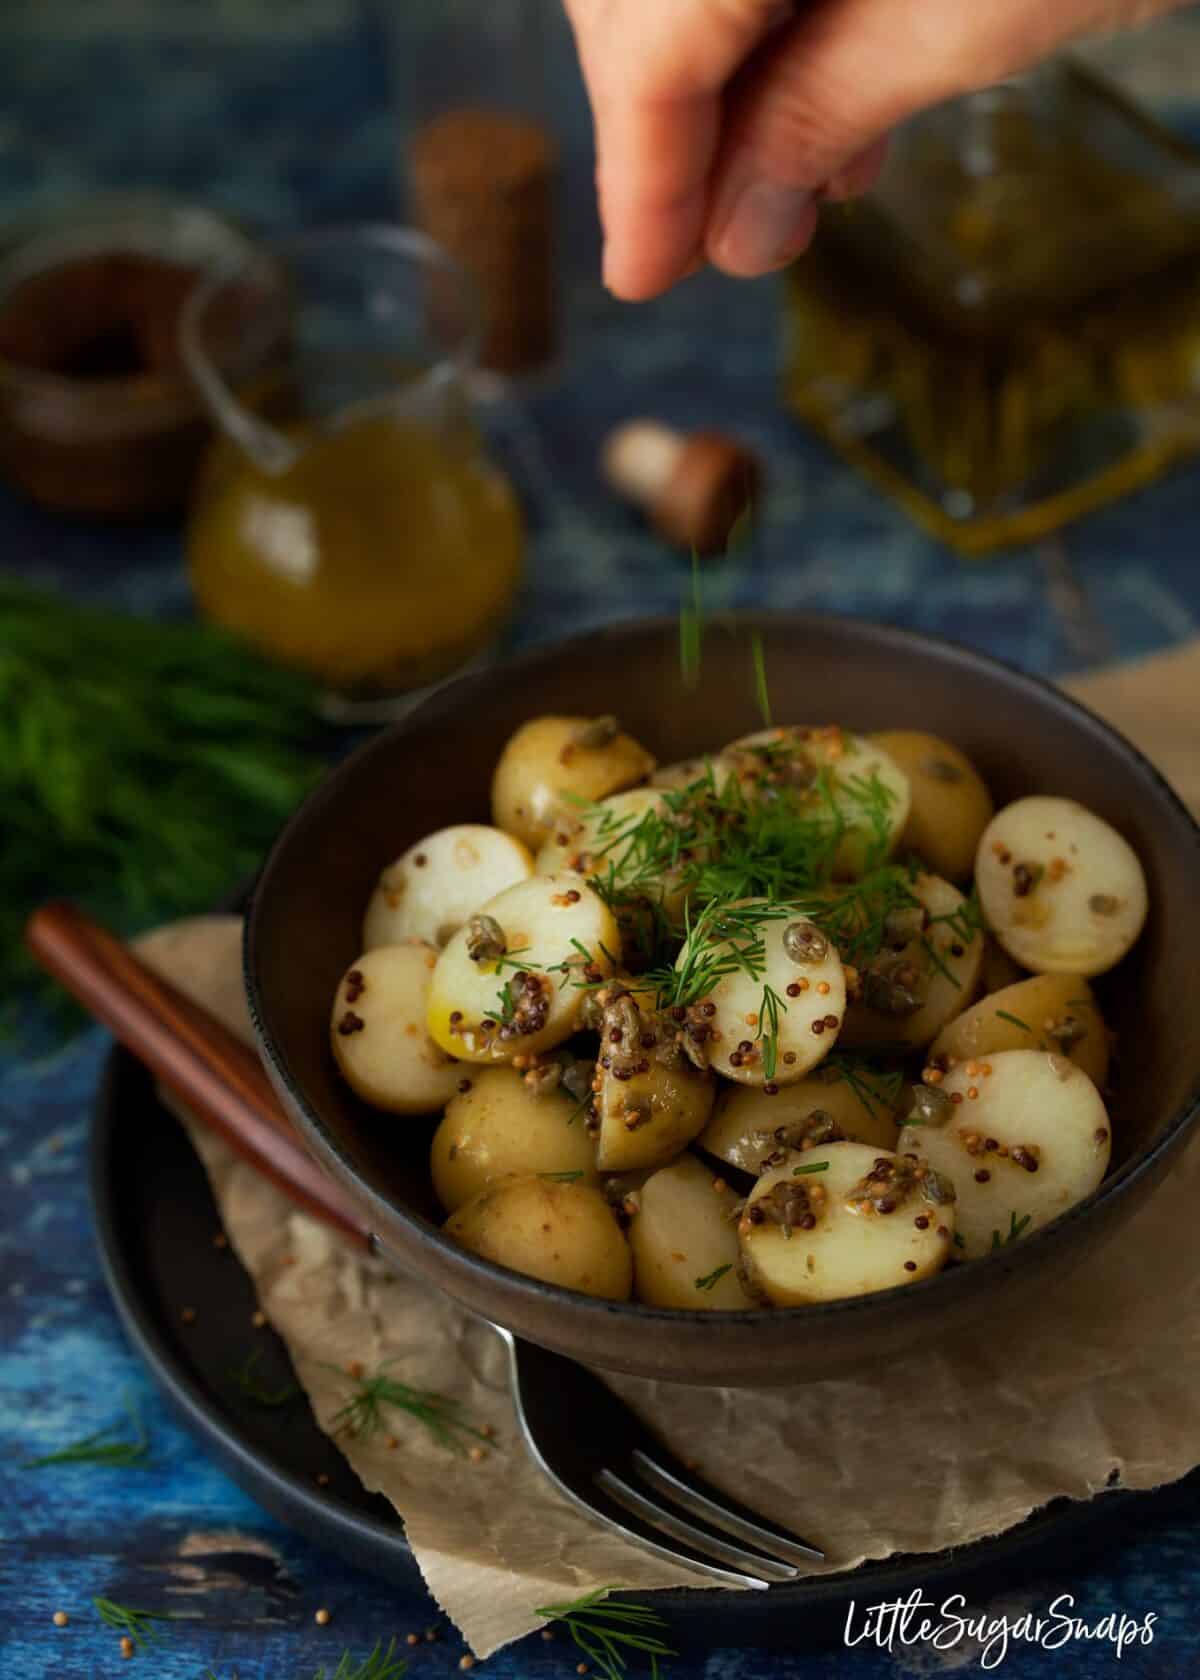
(281, 115)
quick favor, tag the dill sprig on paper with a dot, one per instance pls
(138, 1625)
(607, 1633)
(365, 1413)
(144, 767)
(102, 1448)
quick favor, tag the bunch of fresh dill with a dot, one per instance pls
(144, 767)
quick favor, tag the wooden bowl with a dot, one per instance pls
(435, 769)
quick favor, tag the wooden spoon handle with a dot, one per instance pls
(218, 1077)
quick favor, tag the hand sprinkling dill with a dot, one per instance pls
(761, 693)
(252, 1387)
(607, 1632)
(364, 1414)
(137, 1625)
(1015, 1228)
(100, 1448)
(713, 1278)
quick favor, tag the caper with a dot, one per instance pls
(1103, 904)
(942, 770)
(936, 1187)
(886, 995)
(486, 940)
(803, 942)
(597, 732)
(1067, 1032)
(903, 924)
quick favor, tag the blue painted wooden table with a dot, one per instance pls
(281, 118)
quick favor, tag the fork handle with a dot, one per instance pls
(194, 1055)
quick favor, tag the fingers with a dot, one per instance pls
(655, 72)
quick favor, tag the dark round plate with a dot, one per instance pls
(155, 1220)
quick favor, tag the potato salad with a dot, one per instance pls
(804, 1019)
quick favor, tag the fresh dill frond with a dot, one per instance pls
(607, 1633)
(810, 1167)
(1015, 1228)
(712, 1278)
(878, 1091)
(1015, 1020)
(364, 1414)
(102, 1449)
(138, 1625)
(571, 1176)
(252, 1387)
(379, 1665)
(768, 1029)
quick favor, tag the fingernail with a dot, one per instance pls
(767, 225)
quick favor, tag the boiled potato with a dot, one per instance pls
(847, 1219)
(698, 773)
(684, 1241)
(1021, 1143)
(378, 1031)
(552, 764)
(867, 789)
(611, 841)
(923, 975)
(650, 1100)
(496, 1125)
(1060, 888)
(484, 1008)
(563, 1233)
(998, 970)
(804, 972)
(1052, 1012)
(951, 805)
(748, 1125)
(429, 892)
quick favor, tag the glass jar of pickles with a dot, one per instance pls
(347, 521)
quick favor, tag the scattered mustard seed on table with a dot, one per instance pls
(322, 1617)
(60, 1618)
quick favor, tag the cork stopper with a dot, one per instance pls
(483, 187)
(693, 486)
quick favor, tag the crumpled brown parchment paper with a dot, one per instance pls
(975, 1436)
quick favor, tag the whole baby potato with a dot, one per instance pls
(552, 764)
(684, 1241)
(496, 1125)
(951, 805)
(1052, 1012)
(563, 1233)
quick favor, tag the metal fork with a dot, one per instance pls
(583, 1437)
(601, 1458)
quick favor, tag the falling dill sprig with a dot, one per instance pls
(1015, 1020)
(380, 1665)
(1015, 1228)
(606, 1632)
(137, 1625)
(691, 628)
(711, 1279)
(102, 1449)
(762, 694)
(364, 1414)
(250, 1384)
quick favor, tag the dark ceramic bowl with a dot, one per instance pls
(435, 768)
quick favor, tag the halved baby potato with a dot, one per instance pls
(684, 1240)
(866, 787)
(1021, 1143)
(551, 764)
(563, 1233)
(379, 1035)
(497, 1125)
(1052, 1012)
(429, 892)
(923, 976)
(951, 805)
(1060, 888)
(847, 1219)
(505, 984)
(649, 1099)
(804, 974)
(748, 1126)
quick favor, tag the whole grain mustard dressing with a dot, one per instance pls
(384, 556)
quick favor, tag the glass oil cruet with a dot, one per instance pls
(346, 521)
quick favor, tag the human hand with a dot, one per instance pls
(721, 123)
